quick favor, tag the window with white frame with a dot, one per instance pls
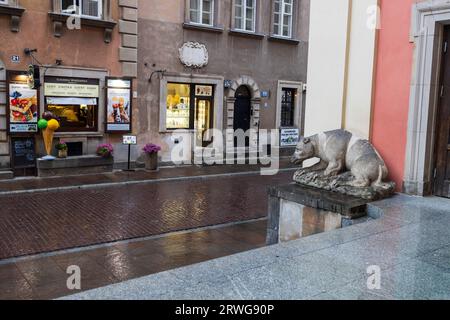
(282, 18)
(84, 8)
(201, 12)
(245, 15)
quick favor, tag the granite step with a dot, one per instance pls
(6, 175)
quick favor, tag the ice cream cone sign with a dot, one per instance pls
(48, 125)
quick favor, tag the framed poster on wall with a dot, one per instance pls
(289, 137)
(22, 104)
(118, 105)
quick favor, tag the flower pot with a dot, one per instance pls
(105, 155)
(62, 153)
(151, 161)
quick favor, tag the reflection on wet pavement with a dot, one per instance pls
(44, 222)
(45, 277)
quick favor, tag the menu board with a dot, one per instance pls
(23, 104)
(118, 105)
(23, 152)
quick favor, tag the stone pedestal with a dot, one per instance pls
(297, 211)
(74, 166)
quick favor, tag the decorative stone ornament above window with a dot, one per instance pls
(12, 8)
(95, 13)
(194, 55)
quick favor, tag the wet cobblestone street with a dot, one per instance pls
(44, 222)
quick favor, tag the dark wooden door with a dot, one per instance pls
(442, 173)
(242, 111)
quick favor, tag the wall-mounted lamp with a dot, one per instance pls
(161, 72)
(29, 51)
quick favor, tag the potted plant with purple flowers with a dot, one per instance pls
(151, 156)
(62, 149)
(105, 150)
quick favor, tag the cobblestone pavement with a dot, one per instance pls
(43, 222)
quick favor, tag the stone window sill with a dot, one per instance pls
(246, 34)
(15, 13)
(59, 21)
(192, 26)
(284, 40)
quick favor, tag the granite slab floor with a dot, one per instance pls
(410, 244)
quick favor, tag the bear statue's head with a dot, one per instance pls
(304, 151)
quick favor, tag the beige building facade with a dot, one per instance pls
(169, 66)
(226, 64)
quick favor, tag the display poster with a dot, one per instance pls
(23, 105)
(118, 107)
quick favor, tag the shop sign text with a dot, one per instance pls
(71, 90)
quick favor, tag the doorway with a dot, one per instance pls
(203, 121)
(242, 112)
(442, 170)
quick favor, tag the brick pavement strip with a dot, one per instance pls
(45, 222)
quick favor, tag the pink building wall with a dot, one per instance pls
(392, 86)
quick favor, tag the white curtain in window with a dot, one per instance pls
(88, 8)
(282, 20)
(245, 17)
(201, 11)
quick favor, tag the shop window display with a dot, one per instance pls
(178, 106)
(74, 101)
(74, 115)
(190, 107)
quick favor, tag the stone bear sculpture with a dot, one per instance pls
(340, 151)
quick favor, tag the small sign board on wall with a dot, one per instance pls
(289, 137)
(205, 91)
(227, 83)
(118, 105)
(15, 59)
(265, 94)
